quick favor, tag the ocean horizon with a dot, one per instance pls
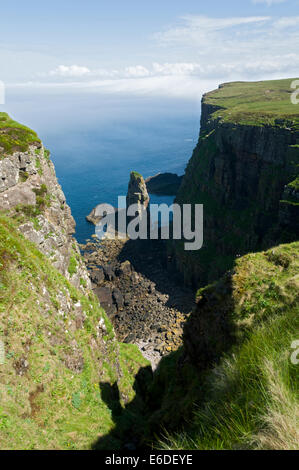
(97, 140)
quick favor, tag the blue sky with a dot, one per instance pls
(159, 47)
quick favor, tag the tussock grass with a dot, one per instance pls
(281, 418)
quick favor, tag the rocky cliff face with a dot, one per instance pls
(244, 173)
(29, 191)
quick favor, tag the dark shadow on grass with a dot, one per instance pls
(130, 424)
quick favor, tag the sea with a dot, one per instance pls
(96, 140)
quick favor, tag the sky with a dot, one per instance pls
(160, 48)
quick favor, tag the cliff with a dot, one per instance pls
(30, 193)
(60, 348)
(244, 170)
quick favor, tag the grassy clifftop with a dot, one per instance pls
(14, 136)
(255, 103)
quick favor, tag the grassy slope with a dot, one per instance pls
(256, 103)
(49, 405)
(14, 136)
(250, 399)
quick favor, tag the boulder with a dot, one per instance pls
(118, 299)
(104, 295)
(97, 276)
(125, 269)
(92, 217)
(109, 273)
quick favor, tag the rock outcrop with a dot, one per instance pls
(93, 218)
(165, 184)
(137, 192)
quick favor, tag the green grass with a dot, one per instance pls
(38, 165)
(249, 399)
(256, 103)
(294, 184)
(47, 154)
(253, 395)
(24, 175)
(136, 175)
(26, 211)
(14, 136)
(42, 191)
(72, 269)
(50, 405)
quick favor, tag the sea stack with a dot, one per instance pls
(137, 192)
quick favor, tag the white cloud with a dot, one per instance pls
(214, 24)
(286, 22)
(198, 30)
(186, 87)
(186, 80)
(269, 2)
(234, 48)
(136, 71)
(74, 71)
(178, 68)
(70, 71)
(200, 52)
(256, 66)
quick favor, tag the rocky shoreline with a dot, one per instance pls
(140, 291)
